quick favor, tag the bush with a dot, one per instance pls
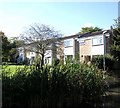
(98, 61)
(54, 86)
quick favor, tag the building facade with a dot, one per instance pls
(71, 47)
(31, 53)
(79, 46)
(93, 44)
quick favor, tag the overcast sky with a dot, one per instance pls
(67, 17)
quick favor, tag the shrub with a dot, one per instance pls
(54, 86)
(98, 61)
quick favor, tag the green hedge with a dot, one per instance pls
(67, 85)
(98, 61)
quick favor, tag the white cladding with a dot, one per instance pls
(21, 53)
(48, 57)
(48, 53)
(97, 45)
(97, 50)
(68, 51)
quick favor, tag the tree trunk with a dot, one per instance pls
(42, 60)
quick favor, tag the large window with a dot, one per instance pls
(97, 40)
(47, 60)
(68, 43)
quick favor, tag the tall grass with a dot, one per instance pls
(67, 85)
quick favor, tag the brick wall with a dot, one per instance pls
(85, 49)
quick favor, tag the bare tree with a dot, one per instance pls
(42, 37)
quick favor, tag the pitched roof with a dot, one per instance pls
(88, 34)
(83, 35)
(92, 34)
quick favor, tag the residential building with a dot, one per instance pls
(71, 47)
(30, 52)
(87, 45)
(79, 46)
(92, 44)
(26, 53)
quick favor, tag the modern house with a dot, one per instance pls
(92, 44)
(30, 52)
(26, 53)
(71, 47)
(87, 45)
(82, 46)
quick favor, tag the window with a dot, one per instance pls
(68, 43)
(32, 53)
(47, 60)
(82, 42)
(97, 40)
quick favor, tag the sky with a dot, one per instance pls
(66, 17)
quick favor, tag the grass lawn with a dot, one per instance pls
(12, 69)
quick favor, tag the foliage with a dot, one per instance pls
(98, 61)
(16, 41)
(67, 85)
(13, 55)
(10, 70)
(90, 29)
(14, 44)
(9, 48)
(5, 47)
(115, 44)
(42, 38)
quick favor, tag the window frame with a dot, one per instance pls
(68, 43)
(97, 41)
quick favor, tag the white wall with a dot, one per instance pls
(68, 51)
(32, 54)
(48, 56)
(48, 53)
(98, 45)
(97, 50)
(21, 53)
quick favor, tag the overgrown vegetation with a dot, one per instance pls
(9, 48)
(109, 61)
(115, 42)
(42, 38)
(68, 85)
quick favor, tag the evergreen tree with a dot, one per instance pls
(115, 46)
(89, 29)
(5, 47)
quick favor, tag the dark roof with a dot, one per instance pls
(68, 37)
(91, 34)
(88, 34)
